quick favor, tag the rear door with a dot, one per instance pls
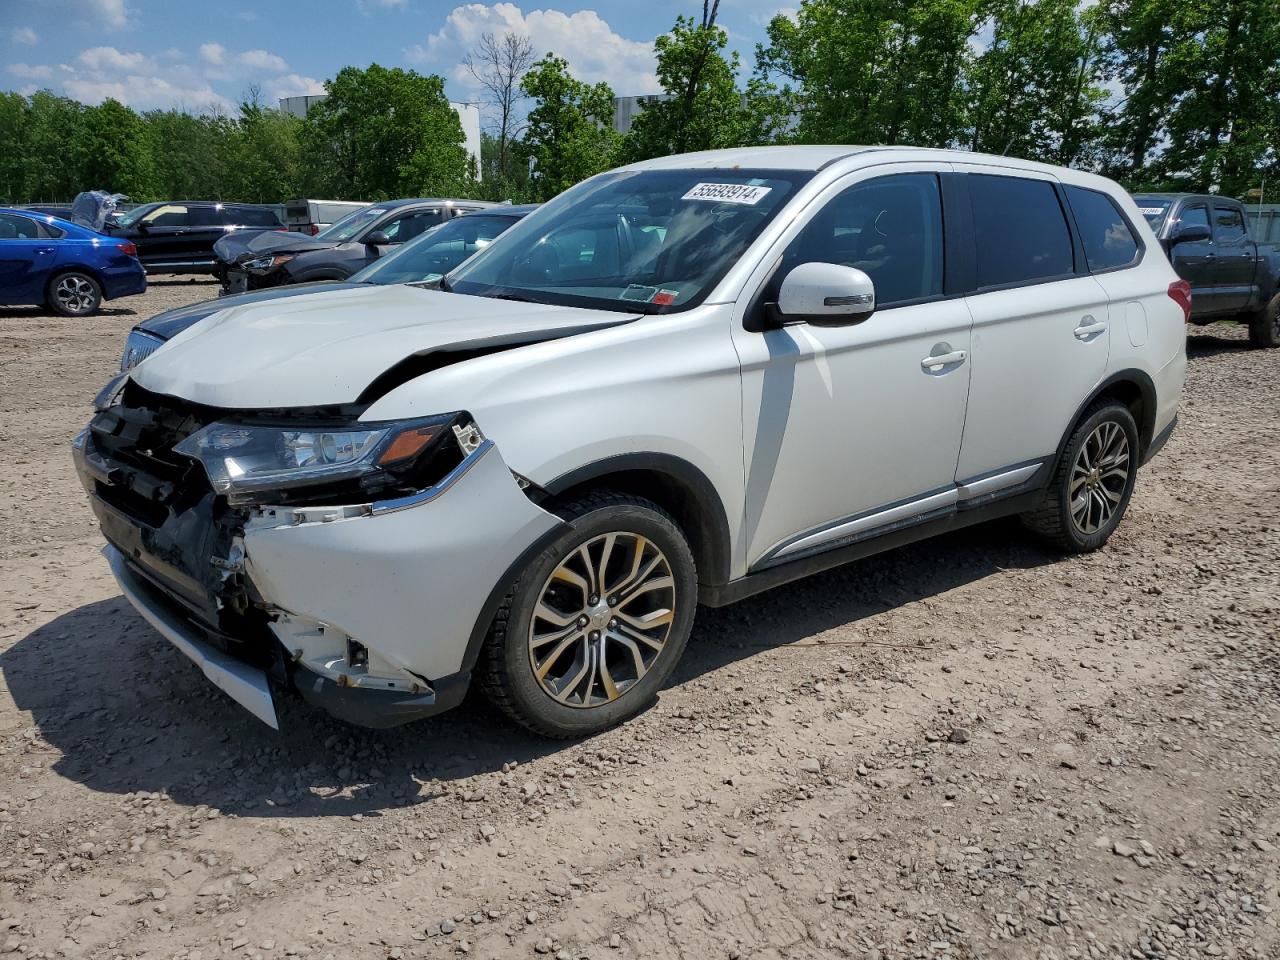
(1040, 336)
(26, 254)
(1196, 262)
(1237, 258)
(207, 225)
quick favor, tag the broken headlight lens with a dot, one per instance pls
(267, 264)
(247, 458)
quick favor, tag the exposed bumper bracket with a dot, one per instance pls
(245, 685)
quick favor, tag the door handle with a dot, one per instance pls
(1089, 327)
(44, 249)
(936, 361)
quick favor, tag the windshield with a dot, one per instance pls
(652, 241)
(351, 224)
(1153, 208)
(432, 255)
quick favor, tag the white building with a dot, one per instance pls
(468, 115)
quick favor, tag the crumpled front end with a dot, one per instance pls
(366, 607)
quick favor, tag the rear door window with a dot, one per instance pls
(1020, 231)
(1108, 240)
(1228, 224)
(206, 217)
(14, 227)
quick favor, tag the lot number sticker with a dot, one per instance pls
(727, 193)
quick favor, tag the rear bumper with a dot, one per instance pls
(123, 281)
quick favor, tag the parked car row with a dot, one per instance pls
(683, 382)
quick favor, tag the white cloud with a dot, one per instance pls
(764, 19)
(594, 51)
(26, 71)
(212, 52)
(109, 58)
(293, 85)
(113, 13)
(262, 60)
(25, 35)
(248, 16)
(146, 93)
(366, 6)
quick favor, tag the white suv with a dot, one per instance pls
(680, 382)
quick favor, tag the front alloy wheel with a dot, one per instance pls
(602, 620)
(595, 622)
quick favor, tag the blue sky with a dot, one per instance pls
(194, 54)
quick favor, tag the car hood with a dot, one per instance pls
(169, 324)
(328, 348)
(235, 247)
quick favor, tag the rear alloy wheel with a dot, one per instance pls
(596, 622)
(74, 294)
(1264, 326)
(1093, 483)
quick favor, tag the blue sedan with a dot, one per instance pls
(67, 267)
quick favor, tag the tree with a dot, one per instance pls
(570, 133)
(384, 133)
(55, 128)
(499, 65)
(264, 162)
(869, 71)
(1226, 68)
(190, 153)
(702, 108)
(115, 151)
(1036, 83)
(14, 131)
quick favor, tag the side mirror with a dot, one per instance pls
(1189, 233)
(378, 238)
(143, 226)
(826, 295)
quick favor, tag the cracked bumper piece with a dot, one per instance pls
(245, 684)
(376, 604)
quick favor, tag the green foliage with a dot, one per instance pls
(114, 149)
(569, 135)
(1034, 90)
(385, 133)
(871, 71)
(703, 109)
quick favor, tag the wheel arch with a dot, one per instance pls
(61, 269)
(1132, 387)
(673, 483)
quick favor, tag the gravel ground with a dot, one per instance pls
(966, 748)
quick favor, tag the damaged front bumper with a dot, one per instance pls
(366, 610)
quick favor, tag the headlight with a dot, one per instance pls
(267, 264)
(242, 459)
(109, 394)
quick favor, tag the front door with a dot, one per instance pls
(161, 236)
(849, 430)
(1040, 335)
(1195, 261)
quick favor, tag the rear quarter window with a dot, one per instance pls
(1020, 231)
(1108, 240)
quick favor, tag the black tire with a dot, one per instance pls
(73, 293)
(1264, 325)
(506, 668)
(1056, 519)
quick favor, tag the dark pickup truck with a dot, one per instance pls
(1208, 243)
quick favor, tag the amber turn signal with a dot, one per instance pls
(408, 444)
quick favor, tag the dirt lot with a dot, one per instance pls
(968, 748)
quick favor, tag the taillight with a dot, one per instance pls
(314, 228)
(1180, 293)
(128, 249)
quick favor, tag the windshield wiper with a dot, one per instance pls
(443, 284)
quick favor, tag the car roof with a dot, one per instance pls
(514, 210)
(431, 201)
(819, 157)
(60, 222)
